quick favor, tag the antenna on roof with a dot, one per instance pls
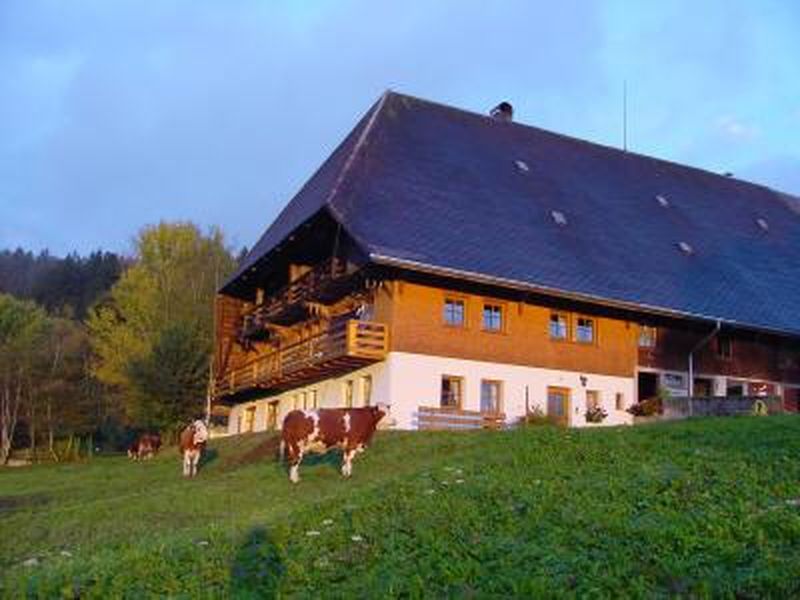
(625, 115)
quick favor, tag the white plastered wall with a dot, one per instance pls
(407, 381)
(330, 394)
(415, 380)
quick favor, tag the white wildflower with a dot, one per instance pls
(356, 538)
(312, 533)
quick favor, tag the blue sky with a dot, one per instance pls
(118, 114)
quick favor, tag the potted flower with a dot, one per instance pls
(595, 414)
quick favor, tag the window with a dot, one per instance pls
(452, 392)
(348, 393)
(559, 328)
(724, 347)
(491, 399)
(312, 399)
(303, 400)
(620, 401)
(735, 388)
(584, 330)
(592, 400)
(454, 312)
(366, 389)
(492, 317)
(647, 336)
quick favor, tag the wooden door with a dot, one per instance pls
(272, 416)
(250, 419)
(558, 405)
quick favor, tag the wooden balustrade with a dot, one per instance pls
(345, 346)
(311, 286)
(440, 418)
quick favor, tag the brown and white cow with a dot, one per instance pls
(324, 429)
(192, 443)
(146, 445)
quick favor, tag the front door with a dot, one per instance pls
(558, 405)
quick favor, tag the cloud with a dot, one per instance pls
(735, 129)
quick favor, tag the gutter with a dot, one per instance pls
(697, 347)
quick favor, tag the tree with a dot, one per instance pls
(23, 329)
(169, 288)
(170, 383)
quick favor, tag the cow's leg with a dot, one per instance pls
(195, 460)
(186, 465)
(347, 462)
(295, 457)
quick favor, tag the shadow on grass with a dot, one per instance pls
(257, 567)
(208, 456)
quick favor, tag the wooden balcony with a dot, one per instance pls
(344, 347)
(324, 283)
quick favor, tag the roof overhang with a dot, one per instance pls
(525, 286)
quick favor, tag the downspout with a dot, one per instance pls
(697, 347)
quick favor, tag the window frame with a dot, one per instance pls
(366, 390)
(718, 347)
(451, 298)
(499, 399)
(461, 390)
(575, 328)
(596, 402)
(503, 313)
(567, 326)
(653, 338)
(348, 393)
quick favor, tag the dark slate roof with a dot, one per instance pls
(434, 188)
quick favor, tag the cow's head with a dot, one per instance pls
(200, 432)
(381, 413)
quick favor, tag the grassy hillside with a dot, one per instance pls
(703, 507)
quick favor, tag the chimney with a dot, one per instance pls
(503, 112)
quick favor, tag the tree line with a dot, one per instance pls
(92, 348)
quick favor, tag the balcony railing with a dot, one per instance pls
(344, 347)
(320, 284)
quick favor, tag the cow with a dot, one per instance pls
(146, 445)
(318, 431)
(192, 443)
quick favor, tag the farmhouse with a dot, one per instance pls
(443, 261)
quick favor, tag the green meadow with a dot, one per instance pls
(708, 507)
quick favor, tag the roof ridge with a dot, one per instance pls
(586, 142)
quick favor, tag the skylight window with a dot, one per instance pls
(558, 217)
(662, 201)
(685, 248)
(522, 166)
(762, 223)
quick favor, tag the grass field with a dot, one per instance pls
(707, 507)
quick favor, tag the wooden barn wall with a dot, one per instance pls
(417, 325)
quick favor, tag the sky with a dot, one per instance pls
(115, 115)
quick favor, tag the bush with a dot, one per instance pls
(647, 408)
(536, 416)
